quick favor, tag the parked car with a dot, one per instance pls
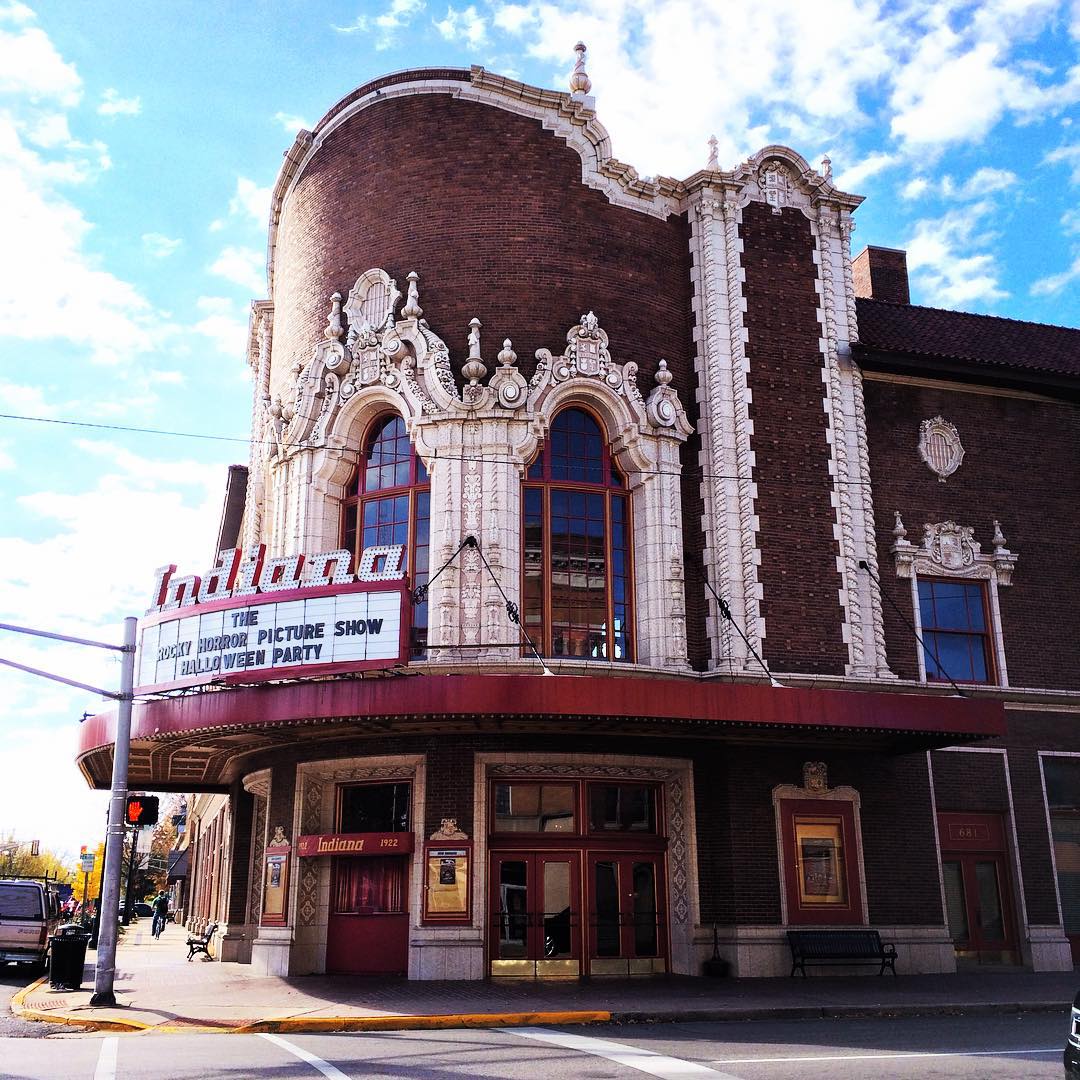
(29, 915)
(1072, 1044)
(143, 910)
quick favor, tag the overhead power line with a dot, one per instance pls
(495, 460)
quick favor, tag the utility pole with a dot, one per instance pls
(110, 898)
(110, 895)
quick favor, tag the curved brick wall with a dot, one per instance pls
(490, 210)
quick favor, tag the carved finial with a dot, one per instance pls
(412, 308)
(334, 328)
(999, 536)
(826, 167)
(714, 160)
(899, 532)
(589, 323)
(662, 376)
(507, 356)
(474, 369)
(580, 83)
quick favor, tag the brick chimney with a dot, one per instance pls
(881, 274)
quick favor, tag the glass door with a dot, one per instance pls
(976, 903)
(626, 914)
(535, 914)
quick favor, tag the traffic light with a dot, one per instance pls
(35, 848)
(142, 810)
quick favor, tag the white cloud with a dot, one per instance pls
(850, 178)
(112, 104)
(31, 66)
(383, 28)
(45, 256)
(915, 188)
(1070, 223)
(937, 71)
(81, 576)
(1068, 156)
(222, 325)
(243, 266)
(250, 204)
(292, 123)
(944, 257)
(1054, 283)
(159, 246)
(466, 25)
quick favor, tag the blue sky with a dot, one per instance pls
(138, 146)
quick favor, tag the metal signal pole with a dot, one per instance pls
(110, 876)
(114, 848)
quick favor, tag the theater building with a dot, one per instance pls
(619, 562)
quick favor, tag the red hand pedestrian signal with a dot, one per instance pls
(142, 810)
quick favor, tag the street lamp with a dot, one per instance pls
(114, 840)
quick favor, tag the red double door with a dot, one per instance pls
(547, 918)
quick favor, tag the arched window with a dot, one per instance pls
(576, 565)
(390, 503)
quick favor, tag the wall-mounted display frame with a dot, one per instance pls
(447, 881)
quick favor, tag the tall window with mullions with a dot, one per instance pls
(390, 503)
(576, 556)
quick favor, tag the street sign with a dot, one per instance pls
(145, 841)
(86, 863)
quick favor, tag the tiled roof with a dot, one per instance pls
(1037, 348)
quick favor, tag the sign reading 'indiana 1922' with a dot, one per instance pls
(260, 619)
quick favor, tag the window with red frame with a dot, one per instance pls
(576, 566)
(955, 630)
(390, 503)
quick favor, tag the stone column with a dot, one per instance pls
(238, 935)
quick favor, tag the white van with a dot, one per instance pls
(29, 915)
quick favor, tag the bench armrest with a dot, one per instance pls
(888, 948)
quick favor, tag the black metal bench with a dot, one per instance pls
(839, 947)
(201, 943)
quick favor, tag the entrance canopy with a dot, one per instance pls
(196, 741)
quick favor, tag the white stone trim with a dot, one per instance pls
(731, 555)
(849, 463)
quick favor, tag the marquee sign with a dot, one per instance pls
(261, 621)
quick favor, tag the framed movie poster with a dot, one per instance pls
(820, 864)
(446, 883)
(275, 887)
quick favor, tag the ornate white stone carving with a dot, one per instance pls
(939, 447)
(580, 83)
(951, 550)
(774, 180)
(508, 383)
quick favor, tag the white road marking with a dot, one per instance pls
(879, 1057)
(668, 1068)
(106, 1062)
(324, 1067)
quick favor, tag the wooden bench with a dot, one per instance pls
(201, 943)
(839, 947)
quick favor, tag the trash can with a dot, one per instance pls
(67, 955)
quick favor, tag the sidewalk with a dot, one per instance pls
(156, 988)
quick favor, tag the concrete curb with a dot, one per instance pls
(299, 1025)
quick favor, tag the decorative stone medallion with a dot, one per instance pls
(939, 447)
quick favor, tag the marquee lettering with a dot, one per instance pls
(236, 575)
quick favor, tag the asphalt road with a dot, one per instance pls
(984, 1047)
(12, 979)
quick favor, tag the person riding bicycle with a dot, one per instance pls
(161, 913)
